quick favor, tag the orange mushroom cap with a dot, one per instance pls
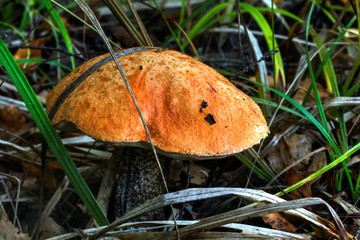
(189, 108)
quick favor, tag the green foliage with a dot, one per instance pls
(208, 14)
(63, 30)
(49, 133)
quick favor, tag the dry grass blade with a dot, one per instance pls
(342, 101)
(143, 231)
(51, 204)
(96, 23)
(121, 15)
(108, 180)
(349, 208)
(198, 236)
(242, 214)
(195, 194)
(294, 164)
(140, 23)
(258, 54)
(187, 38)
(5, 101)
(4, 175)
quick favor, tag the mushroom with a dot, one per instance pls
(191, 111)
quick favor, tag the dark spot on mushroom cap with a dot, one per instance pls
(141, 67)
(98, 70)
(204, 104)
(210, 119)
(201, 110)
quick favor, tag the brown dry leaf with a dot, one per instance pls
(278, 222)
(278, 156)
(292, 177)
(317, 163)
(50, 228)
(50, 180)
(299, 145)
(30, 182)
(198, 173)
(288, 150)
(12, 119)
(9, 232)
(304, 87)
(27, 53)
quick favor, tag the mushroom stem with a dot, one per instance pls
(139, 181)
(108, 180)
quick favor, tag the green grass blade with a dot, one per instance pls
(352, 76)
(340, 159)
(17, 31)
(352, 90)
(333, 47)
(263, 164)
(329, 71)
(27, 15)
(276, 105)
(49, 133)
(182, 15)
(282, 12)
(199, 27)
(307, 115)
(299, 107)
(63, 31)
(193, 15)
(64, 8)
(312, 76)
(271, 42)
(177, 39)
(251, 165)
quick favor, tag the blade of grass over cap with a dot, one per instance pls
(43, 123)
(87, 10)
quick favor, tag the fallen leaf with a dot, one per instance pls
(278, 222)
(12, 119)
(279, 156)
(299, 145)
(9, 232)
(292, 177)
(304, 87)
(50, 180)
(318, 162)
(198, 174)
(31, 53)
(50, 228)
